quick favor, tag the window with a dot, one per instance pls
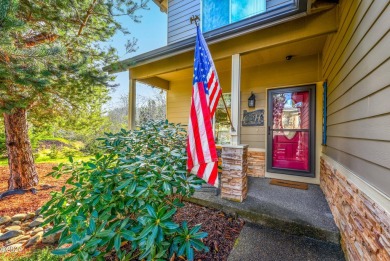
(222, 123)
(217, 13)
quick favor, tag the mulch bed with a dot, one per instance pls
(222, 229)
(29, 202)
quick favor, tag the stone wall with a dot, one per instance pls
(234, 180)
(364, 225)
(256, 163)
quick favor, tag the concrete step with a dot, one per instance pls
(260, 243)
(297, 212)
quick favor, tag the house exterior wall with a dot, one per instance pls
(298, 71)
(355, 166)
(179, 12)
(364, 224)
(179, 97)
(356, 64)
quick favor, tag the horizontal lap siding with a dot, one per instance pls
(179, 97)
(301, 70)
(179, 13)
(298, 71)
(356, 63)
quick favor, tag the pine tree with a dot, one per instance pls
(50, 60)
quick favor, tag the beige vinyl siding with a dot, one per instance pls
(179, 97)
(356, 63)
(298, 71)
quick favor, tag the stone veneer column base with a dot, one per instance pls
(364, 225)
(234, 180)
(256, 163)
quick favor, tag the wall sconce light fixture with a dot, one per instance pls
(252, 100)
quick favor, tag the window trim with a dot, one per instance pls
(214, 121)
(268, 17)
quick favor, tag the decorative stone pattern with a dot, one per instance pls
(256, 163)
(234, 180)
(364, 225)
(24, 230)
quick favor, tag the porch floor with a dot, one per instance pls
(295, 211)
(260, 243)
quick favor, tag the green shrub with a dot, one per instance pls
(71, 152)
(128, 194)
(54, 152)
(3, 148)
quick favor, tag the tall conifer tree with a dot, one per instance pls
(50, 59)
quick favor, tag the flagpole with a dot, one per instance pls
(195, 19)
(228, 114)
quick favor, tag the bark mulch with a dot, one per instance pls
(222, 229)
(29, 202)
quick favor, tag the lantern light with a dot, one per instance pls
(252, 100)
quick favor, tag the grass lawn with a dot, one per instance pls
(4, 161)
(36, 255)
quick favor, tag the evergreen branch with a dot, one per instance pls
(39, 39)
(89, 13)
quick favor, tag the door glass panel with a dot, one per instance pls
(291, 110)
(290, 130)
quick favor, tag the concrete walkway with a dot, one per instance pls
(257, 243)
(295, 211)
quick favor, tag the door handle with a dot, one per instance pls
(269, 130)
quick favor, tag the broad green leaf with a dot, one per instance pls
(123, 184)
(151, 211)
(128, 235)
(146, 231)
(54, 230)
(169, 214)
(117, 242)
(61, 251)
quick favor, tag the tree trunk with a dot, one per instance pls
(23, 173)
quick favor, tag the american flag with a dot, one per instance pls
(206, 91)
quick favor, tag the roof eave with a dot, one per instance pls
(215, 36)
(162, 4)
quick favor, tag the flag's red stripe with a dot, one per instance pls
(214, 174)
(201, 170)
(210, 81)
(216, 104)
(196, 133)
(207, 122)
(190, 163)
(215, 91)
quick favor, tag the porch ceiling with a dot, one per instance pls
(270, 55)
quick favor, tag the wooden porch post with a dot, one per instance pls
(132, 102)
(235, 99)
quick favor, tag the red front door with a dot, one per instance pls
(291, 113)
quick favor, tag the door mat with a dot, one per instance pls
(290, 184)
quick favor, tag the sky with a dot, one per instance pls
(151, 34)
